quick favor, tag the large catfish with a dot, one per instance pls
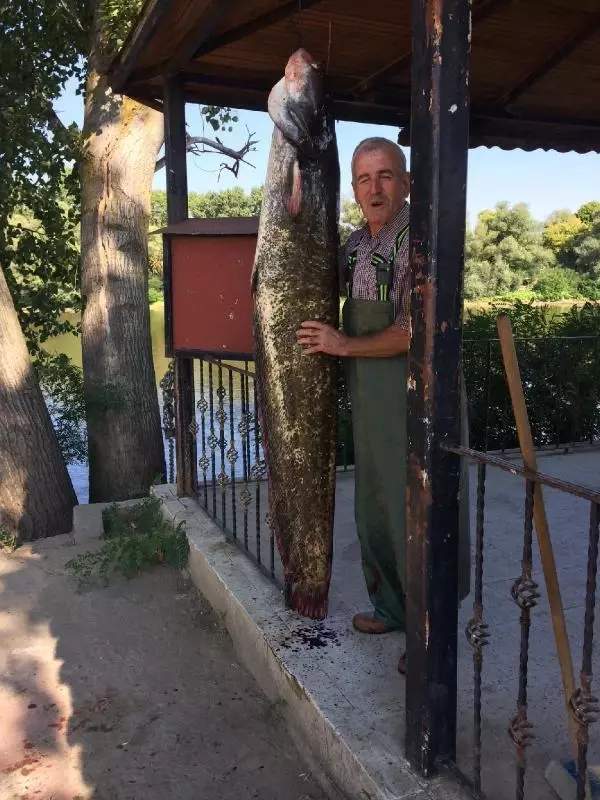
(295, 279)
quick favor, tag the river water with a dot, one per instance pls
(71, 346)
(226, 431)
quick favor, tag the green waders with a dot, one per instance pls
(378, 398)
(378, 388)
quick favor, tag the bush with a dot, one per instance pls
(560, 375)
(588, 287)
(557, 284)
(134, 538)
(155, 289)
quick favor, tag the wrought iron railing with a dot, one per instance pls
(231, 472)
(525, 593)
(232, 488)
(561, 381)
(561, 390)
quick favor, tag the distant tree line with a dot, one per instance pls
(509, 255)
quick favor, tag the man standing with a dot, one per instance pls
(374, 343)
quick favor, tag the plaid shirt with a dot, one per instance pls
(364, 281)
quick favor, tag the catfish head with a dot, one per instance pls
(296, 104)
(297, 107)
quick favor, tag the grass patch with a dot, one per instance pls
(134, 538)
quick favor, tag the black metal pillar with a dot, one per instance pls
(439, 146)
(177, 210)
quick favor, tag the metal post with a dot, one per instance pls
(177, 210)
(439, 146)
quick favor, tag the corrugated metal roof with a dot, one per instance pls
(219, 226)
(535, 64)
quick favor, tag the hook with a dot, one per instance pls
(296, 28)
(328, 50)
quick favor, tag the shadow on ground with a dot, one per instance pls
(129, 692)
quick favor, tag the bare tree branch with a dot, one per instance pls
(201, 144)
(72, 14)
(54, 121)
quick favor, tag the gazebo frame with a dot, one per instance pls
(437, 111)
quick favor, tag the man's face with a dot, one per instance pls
(380, 186)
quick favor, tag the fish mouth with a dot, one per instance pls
(298, 61)
(296, 102)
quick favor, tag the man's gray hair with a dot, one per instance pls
(376, 143)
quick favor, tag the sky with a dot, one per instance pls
(546, 181)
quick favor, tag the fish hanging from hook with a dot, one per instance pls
(297, 34)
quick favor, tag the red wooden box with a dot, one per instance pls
(207, 271)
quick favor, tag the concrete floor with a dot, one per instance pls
(353, 678)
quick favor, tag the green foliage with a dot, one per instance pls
(560, 232)
(228, 203)
(234, 202)
(589, 287)
(351, 218)
(155, 289)
(589, 212)
(61, 383)
(586, 247)
(557, 283)
(505, 252)
(134, 538)
(560, 375)
(43, 45)
(511, 256)
(39, 190)
(117, 18)
(559, 361)
(219, 119)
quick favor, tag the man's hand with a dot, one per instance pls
(317, 337)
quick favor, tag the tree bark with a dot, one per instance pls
(36, 494)
(121, 143)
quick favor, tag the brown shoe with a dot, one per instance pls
(368, 623)
(402, 664)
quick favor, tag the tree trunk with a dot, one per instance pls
(122, 139)
(36, 494)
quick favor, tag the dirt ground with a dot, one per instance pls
(130, 692)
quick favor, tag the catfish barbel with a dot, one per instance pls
(295, 278)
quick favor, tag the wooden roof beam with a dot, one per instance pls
(395, 67)
(212, 14)
(481, 11)
(396, 112)
(227, 81)
(278, 14)
(564, 51)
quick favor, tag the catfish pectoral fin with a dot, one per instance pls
(293, 197)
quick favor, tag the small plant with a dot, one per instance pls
(8, 542)
(134, 538)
